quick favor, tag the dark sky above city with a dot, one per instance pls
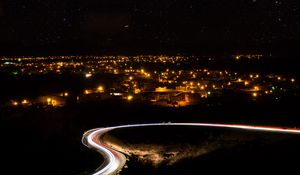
(137, 26)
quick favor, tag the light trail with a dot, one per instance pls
(114, 160)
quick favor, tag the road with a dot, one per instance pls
(115, 160)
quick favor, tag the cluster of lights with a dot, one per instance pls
(51, 101)
(202, 81)
(249, 56)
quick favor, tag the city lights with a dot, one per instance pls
(167, 84)
(129, 97)
(293, 80)
(266, 92)
(25, 102)
(88, 75)
(254, 94)
(100, 89)
(87, 91)
(137, 91)
(54, 102)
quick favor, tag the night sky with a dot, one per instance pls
(148, 26)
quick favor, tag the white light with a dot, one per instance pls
(292, 80)
(88, 75)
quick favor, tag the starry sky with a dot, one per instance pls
(148, 26)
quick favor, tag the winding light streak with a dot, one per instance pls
(114, 160)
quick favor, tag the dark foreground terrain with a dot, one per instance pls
(185, 149)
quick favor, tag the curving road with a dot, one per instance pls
(114, 160)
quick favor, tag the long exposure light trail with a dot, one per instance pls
(114, 160)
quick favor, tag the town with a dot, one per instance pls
(156, 80)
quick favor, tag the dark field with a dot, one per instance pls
(182, 149)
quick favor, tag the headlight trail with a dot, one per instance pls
(114, 160)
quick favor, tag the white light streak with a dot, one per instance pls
(114, 160)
